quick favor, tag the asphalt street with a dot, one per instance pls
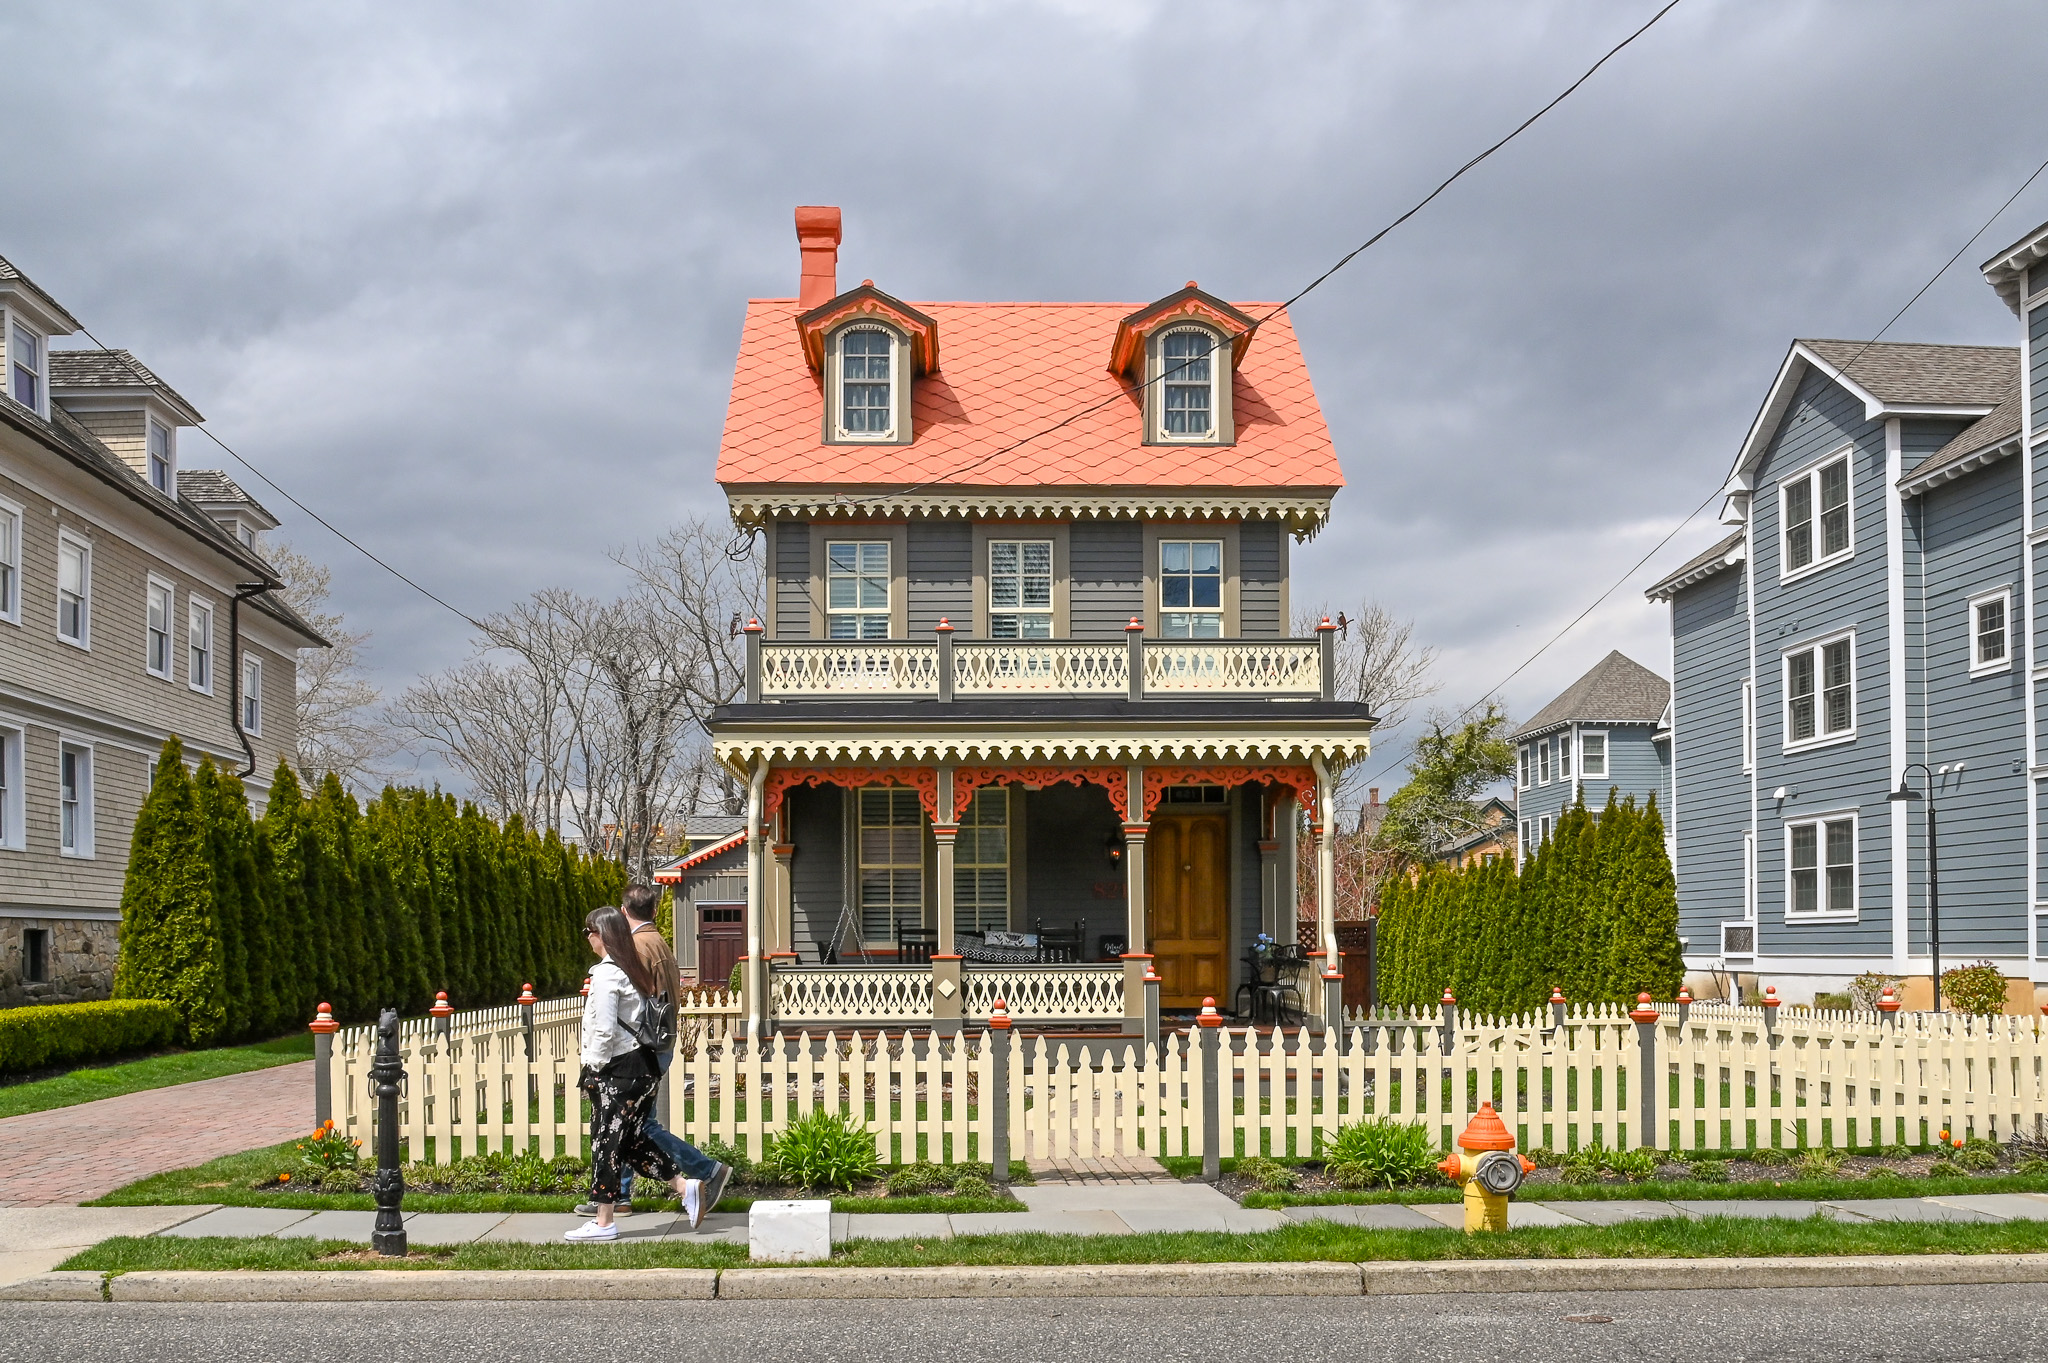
(1918, 1324)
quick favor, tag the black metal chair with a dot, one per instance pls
(1060, 946)
(914, 946)
(1288, 962)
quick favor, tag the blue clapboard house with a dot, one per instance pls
(1868, 612)
(1605, 733)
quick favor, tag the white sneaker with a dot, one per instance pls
(590, 1230)
(693, 1201)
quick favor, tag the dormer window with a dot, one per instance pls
(864, 381)
(25, 367)
(1188, 379)
(163, 475)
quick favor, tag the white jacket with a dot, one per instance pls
(612, 1001)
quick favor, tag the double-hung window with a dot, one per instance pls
(857, 589)
(1820, 692)
(157, 656)
(162, 468)
(199, 646)
(866, 391)
(1820, 858)
(981, 864)
(891, 851)
(1543, 830)
(1191, 589)
(74, 800)
(10, 563)
(1543, 763)
(1593, 755)
(1991, 632)
(1748, 724)
(25, 367)
(74, 591)
(1564, 757)
(1188, 380)
(252, 695)
(11, 821)
(1815, 507)
(1020, 589)
(1528, 768)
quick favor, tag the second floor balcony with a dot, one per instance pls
(1134, 669)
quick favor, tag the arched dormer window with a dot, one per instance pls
(1188, 383)
(869, 402)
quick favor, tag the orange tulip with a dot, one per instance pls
(284, 1178)
(1958, 1142)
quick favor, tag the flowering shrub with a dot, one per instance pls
(1978, 988)
(327, 1148)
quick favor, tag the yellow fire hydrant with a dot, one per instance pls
(1486, 1163)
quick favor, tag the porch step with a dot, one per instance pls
(1108, 1171)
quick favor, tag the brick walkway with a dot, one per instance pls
(1107, 1171)
(82, 1152)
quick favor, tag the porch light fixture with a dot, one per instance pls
(1114, 845)
(1902, 795)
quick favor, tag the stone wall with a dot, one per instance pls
(81, 960)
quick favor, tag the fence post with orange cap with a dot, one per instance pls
(323, 1027)
(1486, 1163)
(441, 1012)
(1448, 1006)
(998, 1041)
(944, 631)
(753, 683)
(1134, 663)
(1210, 1023)
(526, 1000)
(1888, 1006)
(1648, 1079)
(1557, 1007)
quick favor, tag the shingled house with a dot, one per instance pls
(1608, 732)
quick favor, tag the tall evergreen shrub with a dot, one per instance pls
(170, 942)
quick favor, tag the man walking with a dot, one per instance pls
(708, 1175)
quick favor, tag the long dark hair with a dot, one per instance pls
(610, 926)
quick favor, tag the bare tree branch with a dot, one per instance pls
(339, 730)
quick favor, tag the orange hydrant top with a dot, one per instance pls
(1487, 1132)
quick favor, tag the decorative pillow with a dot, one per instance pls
(1013, 939)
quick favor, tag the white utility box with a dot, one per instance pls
(786, 1232)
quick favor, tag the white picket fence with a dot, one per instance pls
(1722, 1078)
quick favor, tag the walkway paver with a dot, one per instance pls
(2004, 1206)
(449, 1228)
(1617, 1213)
(1520, 1215)
(1763, 1209)
(1050, 1223)
(36, 1239)
(1906, 1209)
(240, 1222)
(1375, 1216)
(1100, 1171)
(74, 1154)
(884, 1226)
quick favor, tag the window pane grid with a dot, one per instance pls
(1191, 589)
(857, 590)
(73, 582)
(1593, 755)
(1991, 631)
(864, 383)
(1834, 508)
(981, 864)
(891, 850)
(1020, 589)
(10, 541)
(1189, 365)
(1798, 524)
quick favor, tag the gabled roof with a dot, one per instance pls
(82, 371)
(1700, 567)
(2007, 270)
(1619, 690)
(673, 872)
(9, 276)
(1984, 440)
(213, 490)
(1011, 371)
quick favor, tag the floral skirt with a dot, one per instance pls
(618, 1137)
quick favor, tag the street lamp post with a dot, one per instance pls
(1905, 793)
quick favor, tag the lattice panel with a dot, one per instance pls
(853, 994)
(1013, 667)
(1280, 667)
(843, 668)
(1046, 993)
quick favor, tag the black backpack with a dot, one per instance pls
(656, 1026)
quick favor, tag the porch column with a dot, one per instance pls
(1138, 944)
(757, 901)
(780, 932)
(946, 977)
(1326, 865)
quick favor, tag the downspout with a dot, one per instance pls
(244, 591)
(757, 973)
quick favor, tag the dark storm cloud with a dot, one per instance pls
(470, 279)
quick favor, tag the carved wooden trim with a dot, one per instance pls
(1157, 779)
(966, 780)
(924, 780)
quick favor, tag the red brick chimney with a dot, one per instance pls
(817, 238)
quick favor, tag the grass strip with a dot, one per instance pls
(152, 1072)
(1715, 1237)
(1681, 1190)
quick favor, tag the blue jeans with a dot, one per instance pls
(693, 1162)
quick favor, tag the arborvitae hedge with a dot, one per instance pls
(1594, 912)
(244, 926)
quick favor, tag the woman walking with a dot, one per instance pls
(619, 1074)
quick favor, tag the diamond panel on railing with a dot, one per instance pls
(1032, 665)
(1235, 666)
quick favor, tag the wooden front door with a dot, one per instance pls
(1188, 907)
(721, 941)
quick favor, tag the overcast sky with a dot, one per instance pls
(469, 279)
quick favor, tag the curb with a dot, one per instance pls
(1277, 1279)
(1683, 1275)
(640, 1284)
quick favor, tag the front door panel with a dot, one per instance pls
(1187, 874)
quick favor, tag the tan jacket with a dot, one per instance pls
(658, 957)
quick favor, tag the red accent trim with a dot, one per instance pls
(966, 780)
(924, 780)
(673, 875)
(1157, 779)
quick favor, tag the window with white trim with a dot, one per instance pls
(74, 800)
(1527, 840)
(10, 563)
(12, 836)
(199, 646)
(1020, 589)
(1815, 509)
(1593, 754)
(867, 393)
(163, 468)
(1991, 632)
(1543, 762)
(857, 589)
(1564, 757)
(27, 374)
(74, 591)
(1191, 589)
(891, 862)
(1543, 830)
(1748, 724)
(1820, 866)
(157, 630)
(1749, 874)
(1820, 692)
(1188, 382)
(252, 694)
(981, 864)
(1528, 765)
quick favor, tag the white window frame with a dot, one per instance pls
(13, 805)
(1206, 617)
(1748, 724)
(970, 865)
(1014, 618)
(1217, 350)
(1528, 771)
(151, 428)
(1820, 822)
(41, 369)
(1822, 737)
(81, 796)
(196, 609)
(1810, 476)
(1978, 668)
(1749, 875)
(1527, 838)
(66, 539)
(1564, 757)
(896, 357)
(1586, 771)
(252, 695)
(16, 523)
(1543, 827)
(1543, 769)
(169, 590)
(860, 614)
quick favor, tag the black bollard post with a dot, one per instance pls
(387, 1077)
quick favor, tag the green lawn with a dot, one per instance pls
(1672, 1239)
(1665, 1190)
(153, 1072)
